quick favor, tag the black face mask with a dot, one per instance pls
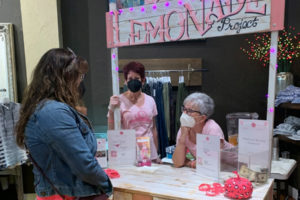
(134, 85)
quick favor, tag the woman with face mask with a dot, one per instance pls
(195, 119)
(138, 110)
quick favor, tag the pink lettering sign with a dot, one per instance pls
(191, 20)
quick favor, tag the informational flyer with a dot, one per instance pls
(101, 154)
(121, 147)
(254, 143)
(208, 155)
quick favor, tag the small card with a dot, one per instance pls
(208, 155)
(101, 155)
(121, 147)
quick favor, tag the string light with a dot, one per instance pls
(288, 48)
(142, 9)
(167, 4)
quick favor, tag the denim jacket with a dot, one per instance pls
(64, 147)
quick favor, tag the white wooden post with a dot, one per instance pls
(115, 77)
(271, 88)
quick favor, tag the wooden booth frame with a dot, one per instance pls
(177, 20)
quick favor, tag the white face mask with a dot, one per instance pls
(187, 120)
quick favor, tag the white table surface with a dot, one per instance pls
(165, 181)
(282, 169)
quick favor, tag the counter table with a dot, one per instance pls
(164, 182)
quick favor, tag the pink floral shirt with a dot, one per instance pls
(210, 128)
(139, 118)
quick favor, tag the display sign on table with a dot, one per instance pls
(208, 155)
(254, 143)
(121, 147)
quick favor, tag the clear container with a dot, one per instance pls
(232, 123)
(229, 159)
(254, 166)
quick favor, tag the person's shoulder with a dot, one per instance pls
(212, 123)
(52, 108)
(212, 127)
(52, 105)
(148, 97)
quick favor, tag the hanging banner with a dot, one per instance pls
(177, 20)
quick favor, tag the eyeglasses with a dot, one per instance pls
(189, 111)
(82, 77)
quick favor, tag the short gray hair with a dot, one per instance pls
(201, 101)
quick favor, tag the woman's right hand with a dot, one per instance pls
(184, 134)
(114, 102)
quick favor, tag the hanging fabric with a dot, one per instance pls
(160, 120)
(181, 94)
(10, 153)
(166, 98)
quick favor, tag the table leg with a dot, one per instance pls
(278, 189)
(19, 182)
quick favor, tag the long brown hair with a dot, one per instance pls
(56, 77)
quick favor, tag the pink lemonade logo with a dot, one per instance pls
(141, 117)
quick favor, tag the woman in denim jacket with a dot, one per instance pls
(59, 139)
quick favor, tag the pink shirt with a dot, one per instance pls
(210, 128)
(139, 118)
